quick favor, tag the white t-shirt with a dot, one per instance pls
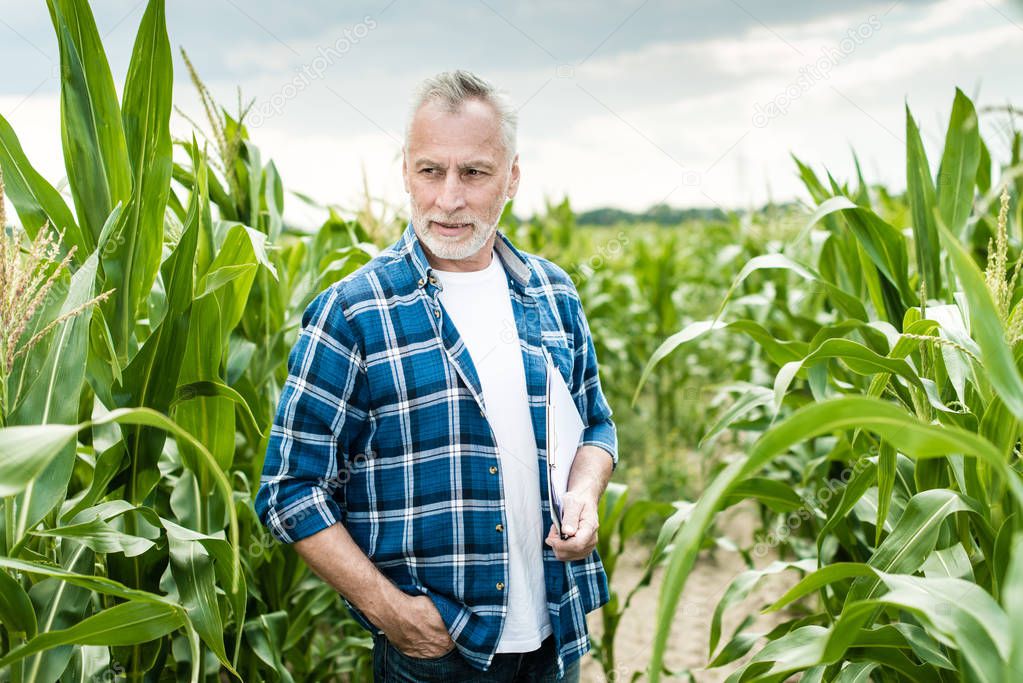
(479, 303)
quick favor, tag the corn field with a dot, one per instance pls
(853, 370)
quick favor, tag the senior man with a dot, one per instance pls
(407, 459)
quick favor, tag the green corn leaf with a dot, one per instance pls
(98, 584)
(849, 305)
(25, 452)
(58, 377)
(951, 563)
(912, 540)
(34, 444)
(16, 611)
(886, 470)
(920, 189)
(194, 576)
(907, 434)
(751, 397)
(221, 553)
(125, 624)
(961, 613)
(856, 356)
(986, 326)
(957, 174)
(741, 642)
(262, 634)
(100, 536)
(1012, 601)
(95, 152)
(58, 605)
(741, 586)
(958, 612)
(35, 200)
(813, 184)
(864, 475)
(780, 351)
(856, 672)
(135, 257)
(775, 494)
(193, 390)
(825, 576)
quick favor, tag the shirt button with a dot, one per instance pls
(436, 313)
(500, 585)
(499, 527)
(433, 280)
(493, 469)
(422, 282)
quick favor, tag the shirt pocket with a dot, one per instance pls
(589, 577)
(562, 353)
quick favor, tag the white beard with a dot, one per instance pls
(456, 247)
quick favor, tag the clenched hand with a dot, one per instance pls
(421, 632)
(579, 522)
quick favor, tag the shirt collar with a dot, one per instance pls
(410, 247)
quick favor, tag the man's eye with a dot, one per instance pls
(473, 171)
(427, 171)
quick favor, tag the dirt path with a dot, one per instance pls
(689, 637)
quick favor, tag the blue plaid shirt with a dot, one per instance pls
(381, 426)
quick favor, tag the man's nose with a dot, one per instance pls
(452, 196)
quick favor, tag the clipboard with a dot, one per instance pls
(564, 431)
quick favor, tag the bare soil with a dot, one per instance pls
(690, 634)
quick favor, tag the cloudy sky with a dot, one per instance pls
(621, 102)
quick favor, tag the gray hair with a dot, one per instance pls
(452, 88)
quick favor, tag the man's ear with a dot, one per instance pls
(404, 169)
(513, 184)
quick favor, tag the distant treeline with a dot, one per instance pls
(660, 214)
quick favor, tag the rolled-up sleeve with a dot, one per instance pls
(600, 428)
(321, 409)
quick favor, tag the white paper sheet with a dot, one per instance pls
(564, 431)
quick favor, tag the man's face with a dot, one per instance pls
(458, 177)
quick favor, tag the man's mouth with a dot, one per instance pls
(450, 228)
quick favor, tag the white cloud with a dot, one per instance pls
(685, 101)
(36, 121)
(942, 15)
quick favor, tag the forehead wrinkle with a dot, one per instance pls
(485, 129)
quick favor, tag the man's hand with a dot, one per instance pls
(587, 480)
(417, 629)
(411, 622)
(579, 522)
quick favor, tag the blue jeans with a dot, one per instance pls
(391, 665)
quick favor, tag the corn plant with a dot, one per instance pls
(890, 435)
(622, 521)
(163, 310)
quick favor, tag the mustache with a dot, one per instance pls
(461, 220)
